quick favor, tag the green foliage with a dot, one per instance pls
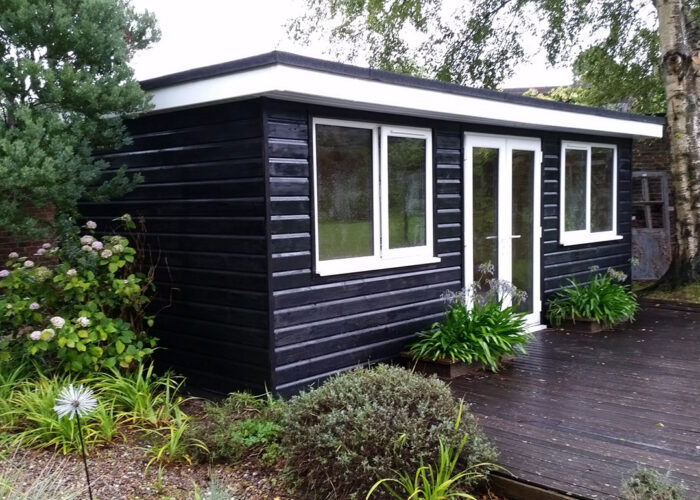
(604, 300)
(173, 442)
(364, 424)
(647, 484)
(83, 310)
(478, 326)
(65, 87)
(242, 426)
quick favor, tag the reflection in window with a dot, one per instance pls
(406, 168)
(601, 189)
(575, 182)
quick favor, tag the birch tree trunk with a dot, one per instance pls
(679, 43)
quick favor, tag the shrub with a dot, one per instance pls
(647, 484)
(82, 310)
(481, 325)
(605, 300)
(360, 426)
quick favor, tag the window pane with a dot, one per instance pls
(406, 191)
(523, 210)
(344, 184)
(602, 189)
(485, 215)
(575, 180)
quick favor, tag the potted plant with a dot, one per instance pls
(596, 306)
(481, 329)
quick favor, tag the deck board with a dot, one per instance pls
(582, 411)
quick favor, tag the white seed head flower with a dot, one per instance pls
(83, 321)
(106, 254)
(91, 224)
(13, 255)
(35, 335)
(4, 273)
(28, 264)
(71, 272)
(48, 334)
(40, 251)
(34, 306)
(97, 245)
(46, 246)
(57, 322)
(73, 401)
(86, 248)
(86, 240)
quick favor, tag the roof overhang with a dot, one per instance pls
(406, 96)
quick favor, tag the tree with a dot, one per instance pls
(65, 88)
(624, 50)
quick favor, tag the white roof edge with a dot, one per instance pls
(318, 87)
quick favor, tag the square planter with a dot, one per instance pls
(585, 325)
(446, 369)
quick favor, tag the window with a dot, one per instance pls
(589, 193)
(373, 196)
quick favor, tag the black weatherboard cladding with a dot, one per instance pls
(203, 199)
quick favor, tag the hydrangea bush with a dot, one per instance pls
(80, 306)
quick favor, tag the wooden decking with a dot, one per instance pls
(583, 411)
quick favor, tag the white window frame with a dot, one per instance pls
(582, 236)
(383, 257)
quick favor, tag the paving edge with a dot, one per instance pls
(518, 489)
(673, 305)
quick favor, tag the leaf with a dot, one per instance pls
(119, 345)
(113, 267)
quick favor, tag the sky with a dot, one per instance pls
(198, 33)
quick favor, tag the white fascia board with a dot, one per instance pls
(317, 87)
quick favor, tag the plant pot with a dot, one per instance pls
(585, 325)
(447, 369)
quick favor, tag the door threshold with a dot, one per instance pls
(535, 327)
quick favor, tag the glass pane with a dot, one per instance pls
(406, 191)
(523, 206)
(344, 173)
(485, 186)
(601, 189)
(575, 180)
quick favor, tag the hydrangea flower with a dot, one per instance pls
(57, 321)
(86, 240)
(34, 306)
(106, 254)
(91, 224)
(4, 273)
(13, 255)
(35, 335)
(40, 251)
(46, 246)
(83, 321)
(97, 245)
(72, 401)
(86, 248)
(71, 272)
(48, 334)
(28, 264)
(8, 306)
(118, 249)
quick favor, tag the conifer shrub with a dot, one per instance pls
(362, 425)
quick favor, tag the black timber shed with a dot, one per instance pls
(296, 242)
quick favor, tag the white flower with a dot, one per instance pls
(71, 272)
(28, 264)
(73, 401)
(8, 306)
(40, 252)
(126, 282)
(13, 255)
(83, 321)
(48, 334)
(57, 321)
(86, 248)
(118, 248)
(86, 240)
(4, 273)
(97, 245)
(35, 335)
(46, 246)
(106, 254)
(34, 306)
(91, 224)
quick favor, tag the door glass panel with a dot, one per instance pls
(523, 210)
(406, 168)
(485, 215)
(344, 173)
(602, 168)
(575, 179)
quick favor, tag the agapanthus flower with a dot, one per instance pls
(86, 248)
(40, 251)
(28, 264)
(57, 321)
(91, 224)
(73, 401)
(86, 240)
(46, 246)
(83, 321)
(71, 272)
(34, 306)
(35, 335)
(97, 245)
(13, 255)
(4, 273)
(106, 254)
(47, 334)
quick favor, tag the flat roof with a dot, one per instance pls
(304, 79)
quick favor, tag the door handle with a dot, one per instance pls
(491, 238)
(515, 236)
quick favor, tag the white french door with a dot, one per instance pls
(502, 213)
